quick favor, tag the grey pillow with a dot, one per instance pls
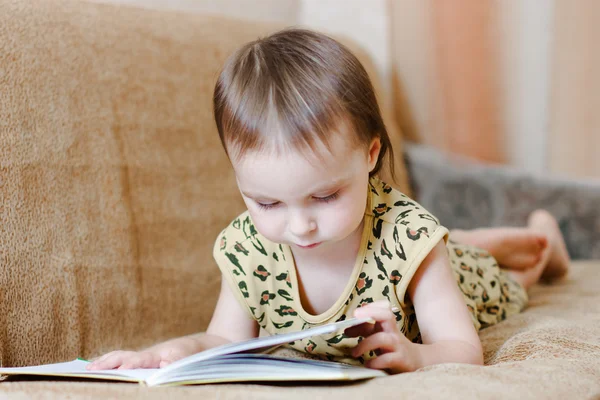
(466, 194)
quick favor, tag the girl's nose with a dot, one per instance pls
(301, 224)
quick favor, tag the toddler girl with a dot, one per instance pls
(325, 239)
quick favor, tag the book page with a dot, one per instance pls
(255, 345)
(249, 367)
(76, 368)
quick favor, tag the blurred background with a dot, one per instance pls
(505, 82)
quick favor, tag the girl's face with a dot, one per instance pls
(307, 202)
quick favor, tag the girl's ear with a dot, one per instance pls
(374, 150)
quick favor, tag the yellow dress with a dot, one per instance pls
(397, 235)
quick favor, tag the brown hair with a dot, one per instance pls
(295, 86)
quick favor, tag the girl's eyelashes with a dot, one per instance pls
(267, 206)
(329, 198)
(325, 199)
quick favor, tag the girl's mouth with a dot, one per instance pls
(310, 246)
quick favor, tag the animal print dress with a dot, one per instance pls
(397, 235)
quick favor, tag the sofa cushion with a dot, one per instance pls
(113, 183)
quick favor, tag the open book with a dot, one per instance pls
(233, 362)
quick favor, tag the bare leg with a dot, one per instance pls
(513, 248)
(554, 262)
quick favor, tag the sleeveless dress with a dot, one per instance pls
(397, 235)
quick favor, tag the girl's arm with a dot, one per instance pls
(229, 323)
(230, 320)
(445, 324)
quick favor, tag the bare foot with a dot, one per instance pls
(558, 262)
(513, 248)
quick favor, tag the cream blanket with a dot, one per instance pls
(550, 351)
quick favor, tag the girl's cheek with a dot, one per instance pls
(347, 216)
(267, 225)
(349, 210)
(335, 221)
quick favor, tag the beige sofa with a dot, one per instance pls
(113, 187)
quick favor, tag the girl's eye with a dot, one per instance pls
(267, 206)
(325, 199)
(329, 198)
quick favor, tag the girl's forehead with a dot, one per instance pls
(290, 161)
(274, 174)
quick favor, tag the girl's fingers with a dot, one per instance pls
(140, 360)
(110, 361)
(132, 361)
(379, 303)
(149, 360)
(381, 312)
(365, 329)
(393, 362)
(125, 360)
(103, 357)
(98, 361)
(386, 341)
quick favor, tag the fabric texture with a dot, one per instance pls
(397, 235)
(108, 166)
(549, 351)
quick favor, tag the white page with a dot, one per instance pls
(77, 368)
(262, 359)
(245, 373)
(262, 343)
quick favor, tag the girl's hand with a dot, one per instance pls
(395, 353)
(126, 360)
(158, 356)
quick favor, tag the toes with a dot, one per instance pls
(542, 218)
(532, 243)
(542, 242)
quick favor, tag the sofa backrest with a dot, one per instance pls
(113, 183)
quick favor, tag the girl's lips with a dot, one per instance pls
(310, 246)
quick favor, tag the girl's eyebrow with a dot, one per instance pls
(324, 188)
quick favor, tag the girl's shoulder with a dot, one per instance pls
(403, 234)
(391, 206)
